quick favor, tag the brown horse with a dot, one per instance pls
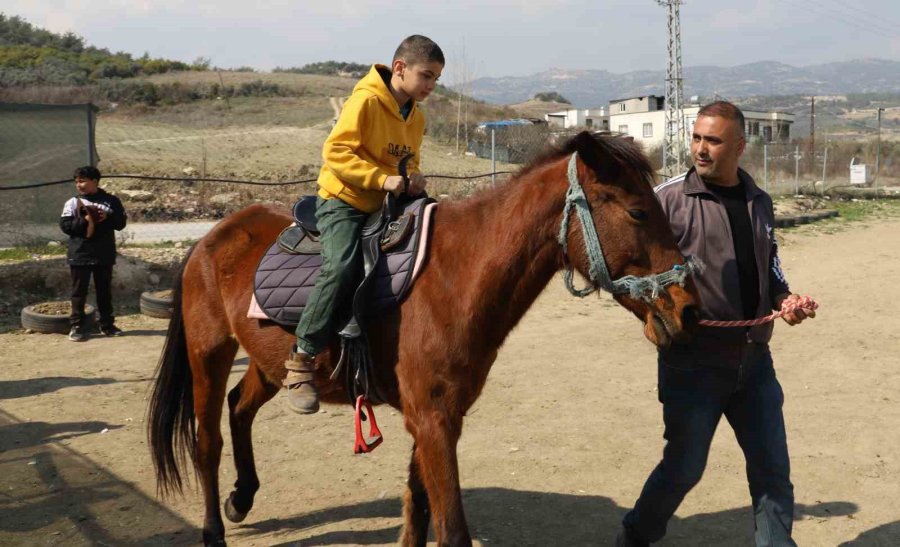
(490, 257)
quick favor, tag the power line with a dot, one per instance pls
(817, 9)
(878, 20)
(233, 181)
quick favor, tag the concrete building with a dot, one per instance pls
(596, 119)
(644, 118)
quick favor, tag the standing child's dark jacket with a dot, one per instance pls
(100, 249)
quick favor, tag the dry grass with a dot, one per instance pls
(312, 84)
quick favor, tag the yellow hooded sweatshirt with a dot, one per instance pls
(367, 143)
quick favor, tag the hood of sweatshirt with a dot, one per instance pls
(374, 83)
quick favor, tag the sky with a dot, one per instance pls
(479, 38)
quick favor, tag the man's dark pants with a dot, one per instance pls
(694, 398)
(340, 226)
(81, 281)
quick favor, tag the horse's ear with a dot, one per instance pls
(592, 154)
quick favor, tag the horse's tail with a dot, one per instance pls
(172, 433)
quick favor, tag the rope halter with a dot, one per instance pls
(645, 288)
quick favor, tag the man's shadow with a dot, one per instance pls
(500, 516)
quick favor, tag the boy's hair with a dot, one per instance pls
(724, 109)
(418, 49)
(87, 172)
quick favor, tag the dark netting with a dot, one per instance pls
(40, 143)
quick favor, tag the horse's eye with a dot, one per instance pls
(637, 214)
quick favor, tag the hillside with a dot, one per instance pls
(593, 88)
(33, 56)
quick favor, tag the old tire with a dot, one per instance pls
(53, 323)
(157, 304)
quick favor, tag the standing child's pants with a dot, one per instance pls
(81, 280)
(340, 226)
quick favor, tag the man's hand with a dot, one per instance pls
(797, 314)
(416, 184)
(101, 215)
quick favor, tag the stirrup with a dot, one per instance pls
(364, 445)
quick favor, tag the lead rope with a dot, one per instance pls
(805, 303)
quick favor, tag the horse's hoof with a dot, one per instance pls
(231, 513)
(209, 541)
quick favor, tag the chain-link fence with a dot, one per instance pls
(172, 168)
(278, 141)
(792, 168)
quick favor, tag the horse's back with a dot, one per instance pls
(219, 272)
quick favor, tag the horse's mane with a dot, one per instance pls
(624, 153)
(612, 159)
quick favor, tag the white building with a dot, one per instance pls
(644, 118)
(596, 119)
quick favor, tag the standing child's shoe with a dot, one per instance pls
(77, 334)
(303, 397)
(111, 330)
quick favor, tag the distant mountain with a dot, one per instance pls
(594, 88)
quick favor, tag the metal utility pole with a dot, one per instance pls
(878, 149)
(812, 132)
(673, 146)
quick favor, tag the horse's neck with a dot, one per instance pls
(504, 242)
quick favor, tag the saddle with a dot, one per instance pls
(394, 243)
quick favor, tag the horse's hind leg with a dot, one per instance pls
(210, 366)
(244, 400)
(416, 513)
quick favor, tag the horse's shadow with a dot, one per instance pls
(500, 516)
(15, 389)
(25, 434)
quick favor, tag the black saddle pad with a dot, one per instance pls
(284, 281)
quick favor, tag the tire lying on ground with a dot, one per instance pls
(53, 317)
(157, 303)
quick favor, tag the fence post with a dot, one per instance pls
(766, 167)
(824, 167)
(493, 157)
(796, 170)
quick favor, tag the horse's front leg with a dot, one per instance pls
(436, 434)
(416, 512)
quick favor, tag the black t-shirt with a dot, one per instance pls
(734, 198)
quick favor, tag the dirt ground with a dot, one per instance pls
(554, 452)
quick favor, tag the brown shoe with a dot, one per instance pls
(303, 397)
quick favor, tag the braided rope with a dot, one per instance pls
(805, 303)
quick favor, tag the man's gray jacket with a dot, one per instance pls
(701, 227)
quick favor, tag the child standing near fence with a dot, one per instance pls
(378, 126)
(90, 219)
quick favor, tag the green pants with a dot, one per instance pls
(340, 226)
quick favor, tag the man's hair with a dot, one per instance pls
(87, 172)
(724, 109)
(417, 49)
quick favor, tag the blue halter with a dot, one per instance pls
(645, 288)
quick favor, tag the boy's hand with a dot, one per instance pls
(417, 183)
(394, 184)
(101, 215)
